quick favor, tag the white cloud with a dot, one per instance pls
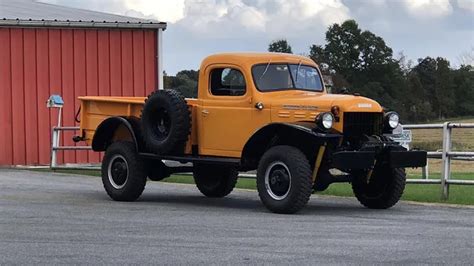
(235, 18)
(163, 10)
(466, 4)
(197, 28)
(428, 8)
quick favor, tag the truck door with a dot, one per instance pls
(226, 112)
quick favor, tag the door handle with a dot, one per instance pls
(205, 112)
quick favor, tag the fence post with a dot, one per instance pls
(446, 173)
(55, 140)
(425, 171)
(53, 149)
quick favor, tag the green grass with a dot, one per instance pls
(458, 194)
(414, 192)
(245, 183)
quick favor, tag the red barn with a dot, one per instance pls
(48, 49)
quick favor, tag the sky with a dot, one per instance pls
(197, 28)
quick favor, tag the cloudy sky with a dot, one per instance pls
(196, 28)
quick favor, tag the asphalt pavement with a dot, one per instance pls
(50, 218)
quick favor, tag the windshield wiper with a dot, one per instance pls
(265, 71)
(297, 71)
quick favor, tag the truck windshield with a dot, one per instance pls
(273, 77)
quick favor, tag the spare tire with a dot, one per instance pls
(166, 122)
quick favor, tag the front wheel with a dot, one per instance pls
(382, 189)
(284, 179)
(123, 172)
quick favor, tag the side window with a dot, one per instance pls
(227, 82)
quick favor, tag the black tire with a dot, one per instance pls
(166, 122)
(385, 187)
(284, 179)
(123, 172)
(157, 170)
(215, 181)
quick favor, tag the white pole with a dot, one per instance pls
(53, 150)
(159, 43)
(446, 161)
(55, 140)
(425, 171)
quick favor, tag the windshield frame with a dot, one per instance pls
(323, 88)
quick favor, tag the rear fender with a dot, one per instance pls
(117, 128)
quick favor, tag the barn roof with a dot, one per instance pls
(30, 13)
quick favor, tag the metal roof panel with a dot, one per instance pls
(36, 14)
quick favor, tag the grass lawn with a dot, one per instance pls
(432, 139)
(414, 192)
(458, 194)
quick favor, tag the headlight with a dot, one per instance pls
(325, 121)
(392, 120)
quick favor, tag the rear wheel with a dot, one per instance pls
(215, 181)
(284, 179)
(382, 190)
(123, 173)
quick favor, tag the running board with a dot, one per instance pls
(193, 159)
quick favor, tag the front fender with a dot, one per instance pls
(297, 135)
(105, 133)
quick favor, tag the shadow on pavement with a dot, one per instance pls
(316, 206)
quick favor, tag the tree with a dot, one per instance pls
(318, 54)
(436, 78)
(417, 106)
(186, 81)
(363, 62)
(353, 53)
(373, 51)
(467, 58)
(280, 46)
(191, 74)
(343, 48)
(464, 90)
(444, 89)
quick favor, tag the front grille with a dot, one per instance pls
(358, 124)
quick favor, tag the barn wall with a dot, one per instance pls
(35, 63)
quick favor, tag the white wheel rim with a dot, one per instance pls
(268, 180)
(110, 175)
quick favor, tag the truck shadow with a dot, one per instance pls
(316, 206)
(199, 201)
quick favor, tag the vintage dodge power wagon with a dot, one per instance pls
(267, 112)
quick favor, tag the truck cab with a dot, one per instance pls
(267, 112)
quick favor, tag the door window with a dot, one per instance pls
(227, 82)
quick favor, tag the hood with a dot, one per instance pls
(304, 106)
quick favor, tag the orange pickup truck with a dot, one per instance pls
(255, 111)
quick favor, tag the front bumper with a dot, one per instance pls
(367, 159)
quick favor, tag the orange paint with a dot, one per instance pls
(221, 125)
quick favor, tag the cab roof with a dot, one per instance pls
(250, 59)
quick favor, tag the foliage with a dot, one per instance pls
(185, 81)
(280, 46)
(363, 62)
